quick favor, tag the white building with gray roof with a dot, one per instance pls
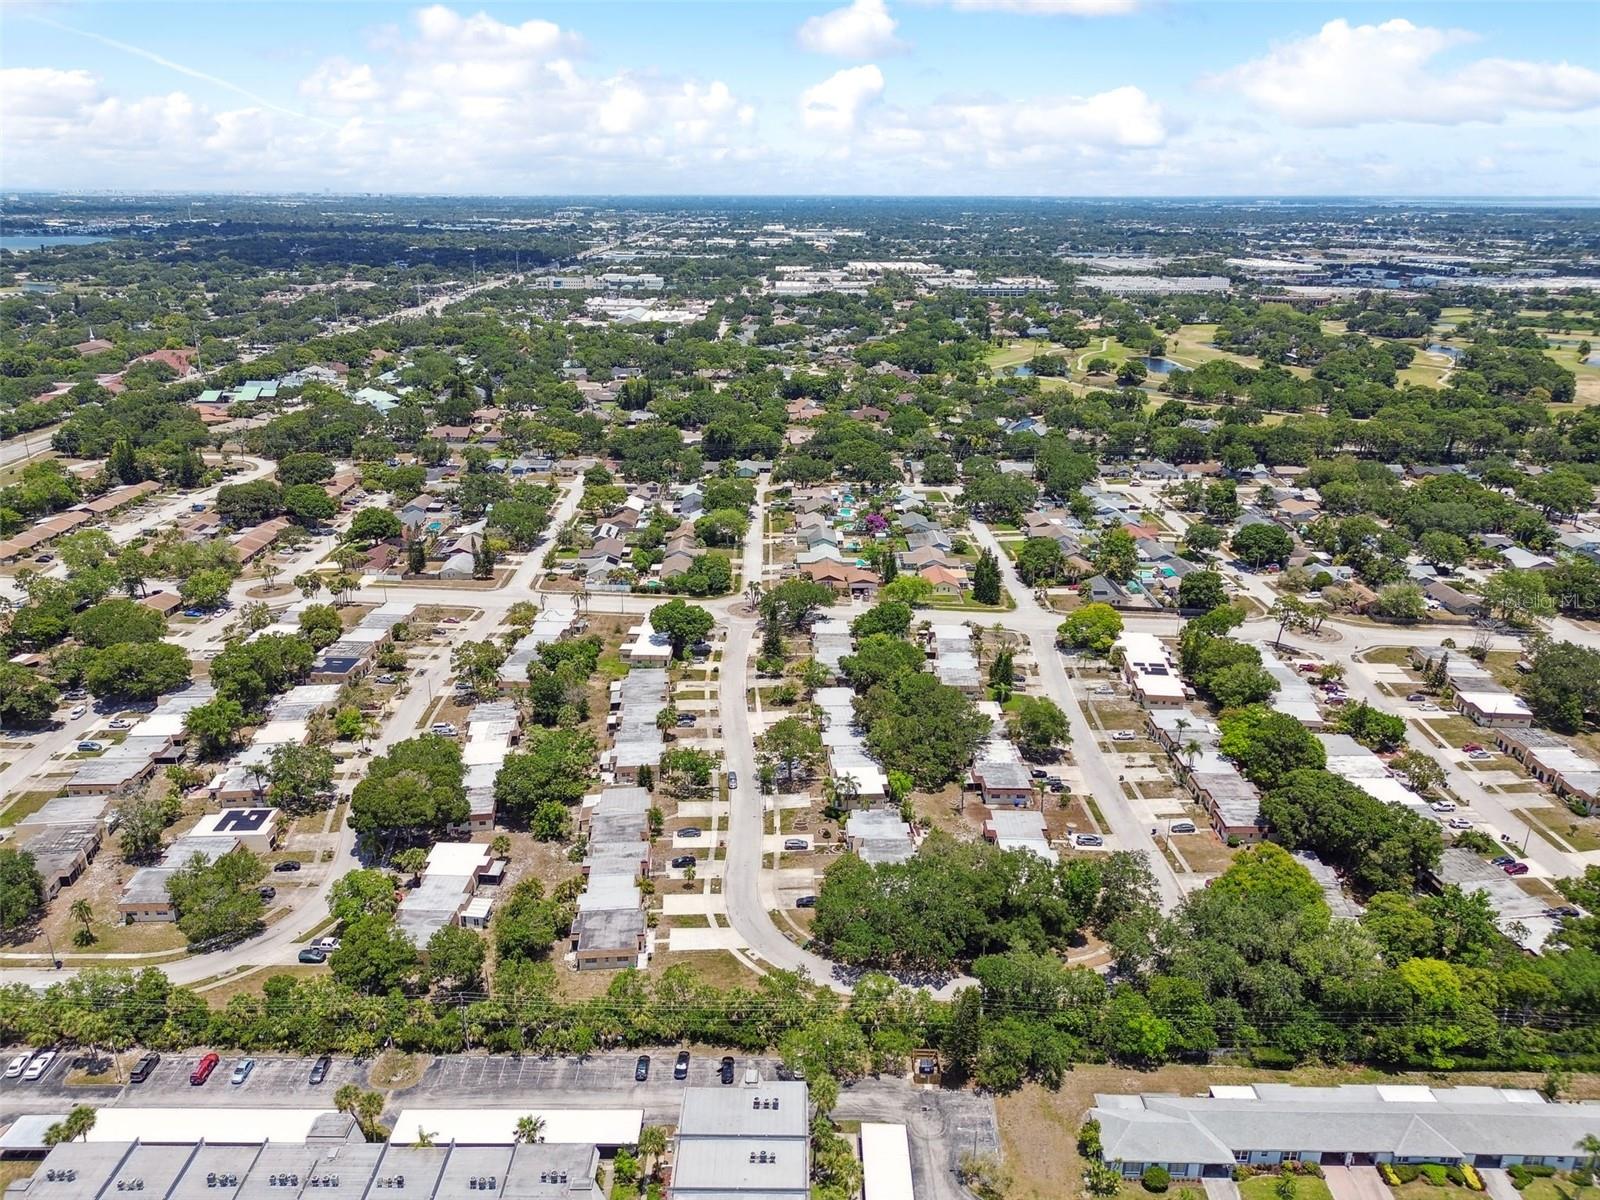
(1265, 1124)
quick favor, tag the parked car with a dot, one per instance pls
(38, 1065)
(796, 844)
(78, 711)
(641, 1068)
(288, 864)
(686, 719)
(91, 747)
(242, 1071)
(1443, 806)
(45, 558)
(1469, 747)
(806, 902)
(142, 1069)
(328, 945)
(1089, 839)
(689, 831)
(1516, 868)
(1459, 823)
(726, 1071)
(1123, 735)
(1181, 827)
(733, 780)
(203, 1069)
(312, 955)
(1504, 860)
(122, 723)
(680, 1069)
(319, 1069)
(268, 892)
(683, 860)
(1415, 698)
(443, 728)
(752, 1074)
(16, 1065)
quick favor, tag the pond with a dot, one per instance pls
(1160, 366)
(1449, 352)
(1022, 372)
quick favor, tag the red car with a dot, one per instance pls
(1515, 868)
(203, 1069)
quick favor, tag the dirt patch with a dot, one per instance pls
(392, 1071)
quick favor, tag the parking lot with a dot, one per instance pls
(276, 1081)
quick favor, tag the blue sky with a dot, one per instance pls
(1046, 97)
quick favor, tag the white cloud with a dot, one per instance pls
(1123, 117)
(340, 82)
(834, 105)
(863, 29)
(1050, 8)
(43, 92)
(1371, 74)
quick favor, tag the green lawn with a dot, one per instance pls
(1306, 1187)
(25, 805)
(1558, 1189)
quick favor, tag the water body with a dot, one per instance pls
(1022, 372)
(20, 242)
(1161, 366)
(1449, 352)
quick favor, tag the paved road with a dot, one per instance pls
(1099, 771)
(749, 905)
(280, 944)
(24, 446)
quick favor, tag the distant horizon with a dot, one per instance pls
(1158, 99)
(1577, 200)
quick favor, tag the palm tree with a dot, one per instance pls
(753, 592)
(530, 1129)
(1589, 1143)
(82, 912)
(424, 1138)
(652, 1145)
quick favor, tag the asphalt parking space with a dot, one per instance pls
(506, 1077)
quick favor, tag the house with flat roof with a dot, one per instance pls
(1265, 1124)
(1494, 709)
(1149, 671)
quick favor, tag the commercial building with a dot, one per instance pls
(263, 1169)
(885, 1162)
(743, 1143)
(1265, 1124)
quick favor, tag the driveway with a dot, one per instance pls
(1220, 1189)
(1498, 1184)
(1355, 1183)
